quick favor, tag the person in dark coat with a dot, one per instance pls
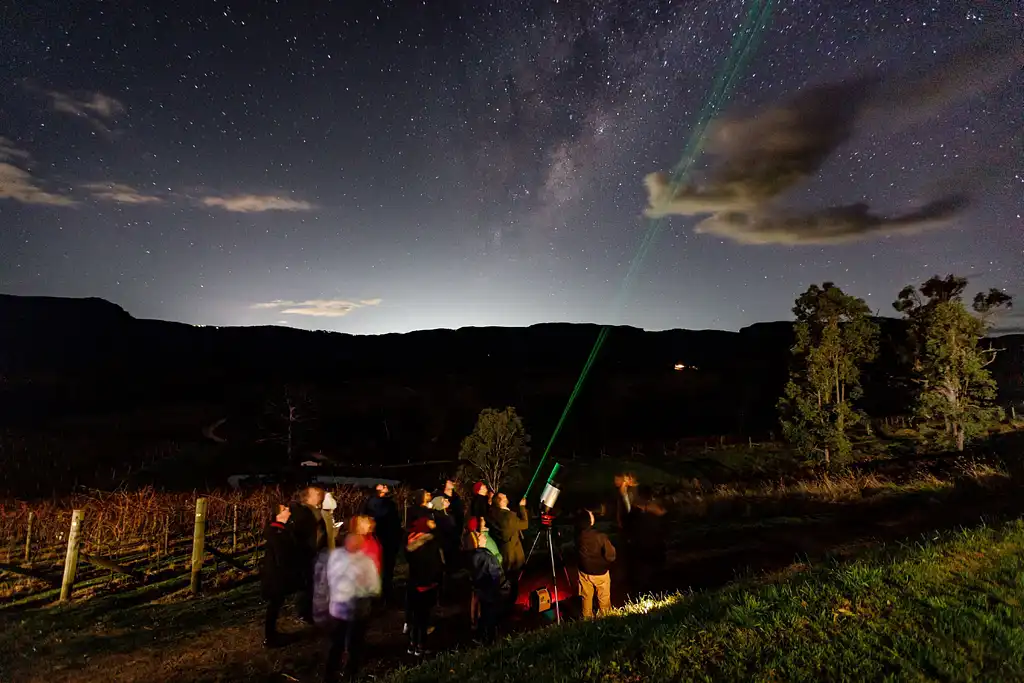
(487, 579)
(388, 526)
(420, 507)
(310, 537)
(423, 552)
(480, 501)
(594, 557)
(449, 536)
(507, 528)
(280, 573)
(456, 508)
(645, 542)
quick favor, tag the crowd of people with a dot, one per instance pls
(342, 576)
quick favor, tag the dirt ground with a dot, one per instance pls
(218, 638)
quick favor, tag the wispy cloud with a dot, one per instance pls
(120, 193)
(18, 184)
(95, 107)
(10, 152)
(256, 203)
(317, 308)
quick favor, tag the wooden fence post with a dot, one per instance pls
(234, 529)
(28, 538)
(71, 559)
(198, 546)
(167, 534)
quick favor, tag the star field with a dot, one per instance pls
(372, 167)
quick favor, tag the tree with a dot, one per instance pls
(294, 407)
(949, 365)
(835, 336)
(496, 447)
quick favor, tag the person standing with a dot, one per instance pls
(354, 582)
(310, 537)
(507, 528)
(487, 578)
(421, 507)
(364, 526)
(594, 557)
(480, 501)
(387, 521)
(279, 571)
(646, 548)
(448, 534)
(423, 552)
(478, 526)
(624, 485)
(456, 509)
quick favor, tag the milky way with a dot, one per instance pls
(375, 167)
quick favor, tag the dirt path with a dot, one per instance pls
(218, 639)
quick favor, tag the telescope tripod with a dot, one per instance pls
(548, 530)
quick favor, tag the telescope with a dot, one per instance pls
(549, 496)
(540, 599)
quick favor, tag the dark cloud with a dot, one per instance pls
(761, 156)
(833, 225)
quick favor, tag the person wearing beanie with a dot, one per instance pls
(594, 557)
(480, 503)
(478, 526)
(487, 579)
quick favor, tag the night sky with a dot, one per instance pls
(374, 167)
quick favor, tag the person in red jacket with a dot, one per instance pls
(364, 526)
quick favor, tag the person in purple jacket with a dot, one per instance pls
(354, 582)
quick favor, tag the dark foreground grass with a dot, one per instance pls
(950, 610)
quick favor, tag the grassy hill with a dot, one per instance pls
(950, 610)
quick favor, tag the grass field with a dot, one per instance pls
(950, 610)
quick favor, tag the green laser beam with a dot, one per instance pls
(754, 23)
